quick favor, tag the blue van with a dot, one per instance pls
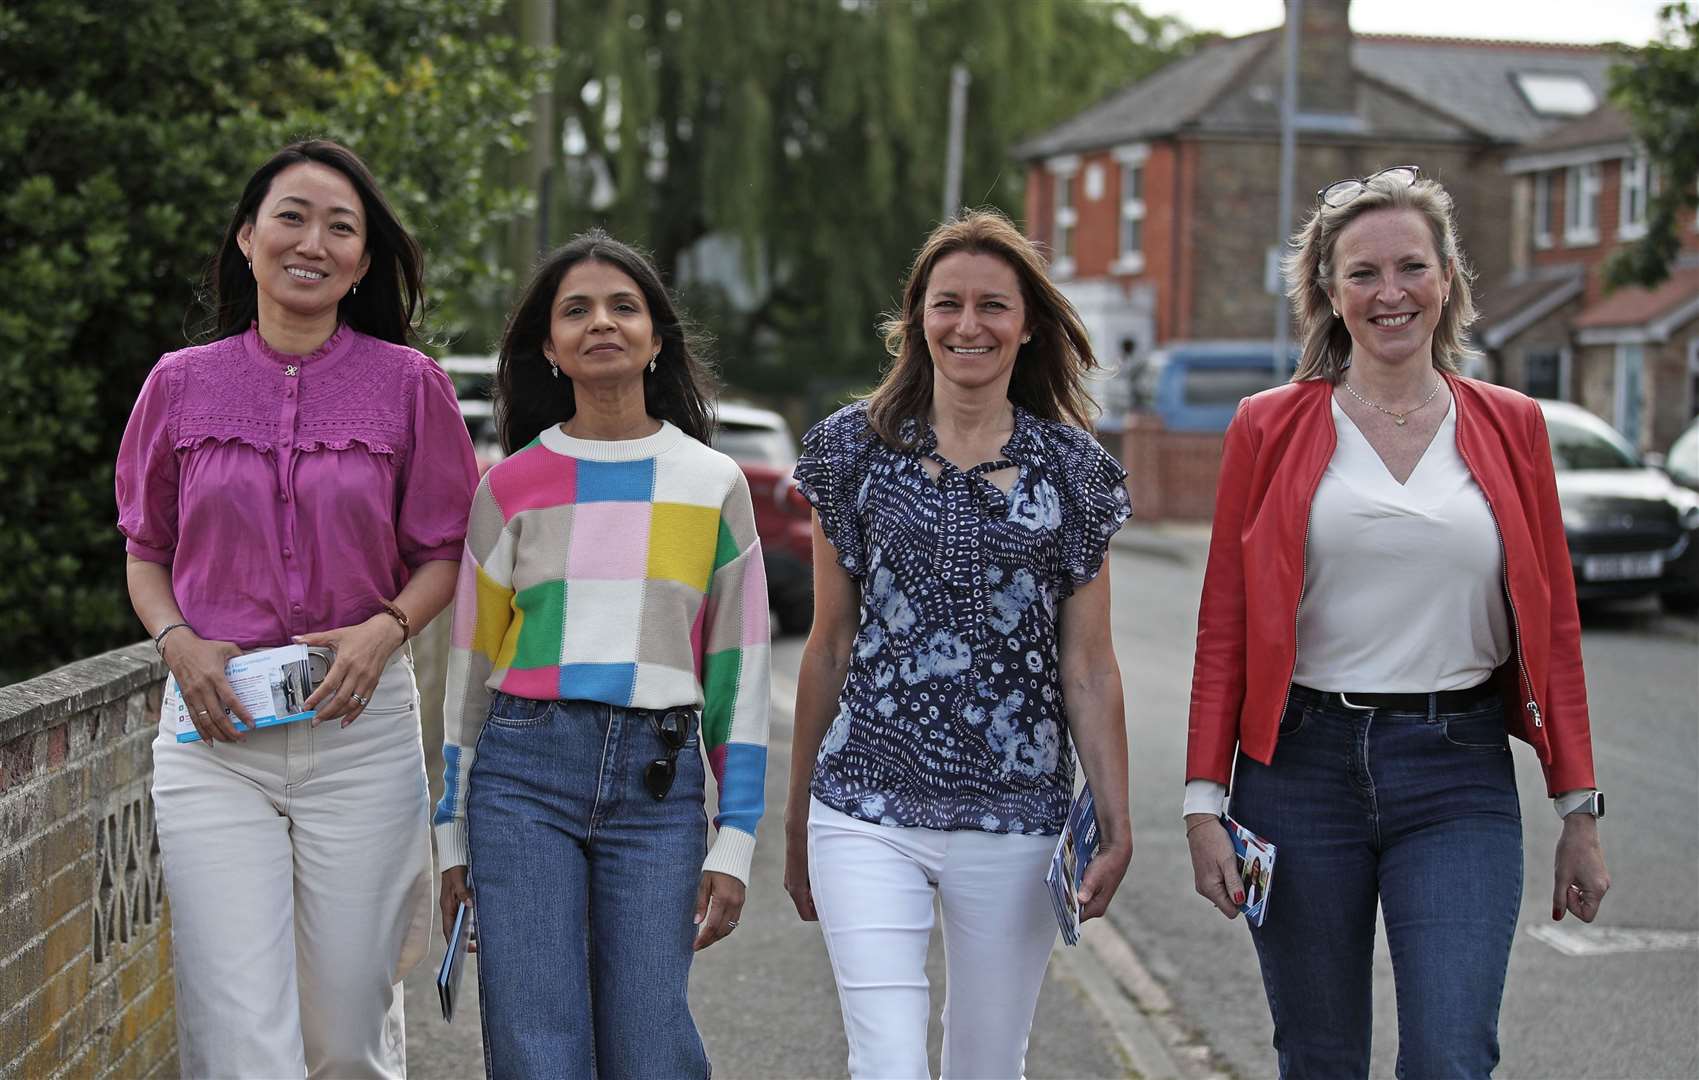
(1197, 385)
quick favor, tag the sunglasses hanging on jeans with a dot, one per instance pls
(674, 728)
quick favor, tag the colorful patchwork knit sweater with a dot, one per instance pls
(622, 572)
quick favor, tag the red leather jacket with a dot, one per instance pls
(1273, 458)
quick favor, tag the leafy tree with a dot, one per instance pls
(1659, 89)
(128, 128)
(806, 139)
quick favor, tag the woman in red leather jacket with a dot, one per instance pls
(1388, 596)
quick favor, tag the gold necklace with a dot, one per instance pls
(1397, 417)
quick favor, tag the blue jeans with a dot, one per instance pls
(586, 892)
(1417, 811)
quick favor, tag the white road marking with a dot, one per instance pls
(1584, 940)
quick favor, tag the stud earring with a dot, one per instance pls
(1026, 338)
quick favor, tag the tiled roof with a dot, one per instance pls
(1635, 306)
(1603, 126)
(1158, 104)
(1466, 81)
(1508, 308)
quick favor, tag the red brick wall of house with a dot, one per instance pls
(1593, 256)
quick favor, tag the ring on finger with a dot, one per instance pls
(731, 924)
(360, 701)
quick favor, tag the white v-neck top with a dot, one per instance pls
(1404, 583)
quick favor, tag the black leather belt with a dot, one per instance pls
(1440, 701)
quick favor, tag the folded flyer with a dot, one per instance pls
(1075, 849)
(1256, 868)
(454, 961)
(272, 684)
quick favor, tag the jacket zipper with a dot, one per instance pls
(1527, 684)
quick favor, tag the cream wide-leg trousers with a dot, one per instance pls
(298, 870)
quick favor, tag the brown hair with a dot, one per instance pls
(1050, 369)
(1309, 271)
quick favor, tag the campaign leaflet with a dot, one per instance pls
(1256, 868)
(272, 684)
(454, 961)
(1074, 851)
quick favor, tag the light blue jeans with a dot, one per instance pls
(585, 886)
(1413, 812)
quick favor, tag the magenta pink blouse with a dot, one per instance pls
(290, 494)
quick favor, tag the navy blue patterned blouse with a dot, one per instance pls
(951, 716)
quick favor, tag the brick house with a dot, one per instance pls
(1553, 330)
(1159, 205)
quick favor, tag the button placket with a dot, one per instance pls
(288, 427)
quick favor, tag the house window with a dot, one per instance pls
(1545, 374)
(1581, 204)
(1543, 210)
(1636, 186)
(1132, 219)
(1064, 215)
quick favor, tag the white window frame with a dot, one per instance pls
(1635, 177)
(1581, 187)
(1543, 234)
(1065, 213)
(1629, 356)
(1132, 211)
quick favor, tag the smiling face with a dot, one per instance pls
(306, 241)
(599, 327)
(974, 320)
(1389, 286)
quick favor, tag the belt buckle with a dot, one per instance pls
(1346, 701)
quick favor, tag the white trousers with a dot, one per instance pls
(298, 868)
(873, 887)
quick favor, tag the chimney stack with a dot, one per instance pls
(1326, 82)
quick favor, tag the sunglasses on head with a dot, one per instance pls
(1340, 192)
(674, 728)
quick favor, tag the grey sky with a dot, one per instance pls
(1632, 22)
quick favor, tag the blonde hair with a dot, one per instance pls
(1309, 269)
(1050, 370)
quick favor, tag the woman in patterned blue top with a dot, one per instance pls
(961, 645)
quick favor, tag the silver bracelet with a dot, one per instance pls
(159, 638)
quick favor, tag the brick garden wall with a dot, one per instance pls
(85, 938)
(1170, 474)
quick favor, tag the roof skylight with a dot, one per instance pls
(1552, 94)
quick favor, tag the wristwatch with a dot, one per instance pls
(1593, 805)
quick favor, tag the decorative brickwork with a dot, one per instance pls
(85, 935)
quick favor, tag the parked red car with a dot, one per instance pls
(760, 441)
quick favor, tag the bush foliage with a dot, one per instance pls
(127, 129)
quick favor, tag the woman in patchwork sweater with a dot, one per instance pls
(611, 615)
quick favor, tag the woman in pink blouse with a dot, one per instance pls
(303, 476)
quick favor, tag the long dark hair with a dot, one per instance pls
(529, 398)
(392, 290)
(1049, 376)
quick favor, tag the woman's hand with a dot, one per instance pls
(361, 653)
(198, 666)
(1581, 878)
(1215, 869)
(719, 901)
(454, 893)
(1103, 876)
(796, 871)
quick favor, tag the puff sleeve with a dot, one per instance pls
(147, 473)
(830, 474)
(440, 476)
(1093, 491)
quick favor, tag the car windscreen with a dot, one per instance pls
(761, 445)
(1581, 446)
